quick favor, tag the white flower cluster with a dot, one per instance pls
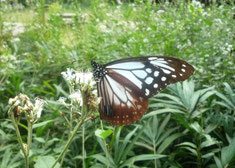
(23, 104)
(227, 48)
(75, 77)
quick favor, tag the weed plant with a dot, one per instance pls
(189, 124)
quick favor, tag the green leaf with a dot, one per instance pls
(218, 162)
(196, 127)
(228, 153)
(142, 158)
(168, 141)
(45, 162)
(39, 139)
(188, 144)
(161, 111)
(42, 123)
(103, 133)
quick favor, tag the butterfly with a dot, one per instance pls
(125, 85)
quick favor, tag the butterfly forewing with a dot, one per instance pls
(152, 74)
(125, 85)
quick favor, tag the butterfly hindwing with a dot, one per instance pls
(122, 103)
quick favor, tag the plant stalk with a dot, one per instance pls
(19, 137)
(69, 141)
(29, 139)
(83, 147)
(154, 150)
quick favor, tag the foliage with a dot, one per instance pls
(189, 124)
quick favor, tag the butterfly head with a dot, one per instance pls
(99, 71)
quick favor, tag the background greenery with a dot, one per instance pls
(189, 124)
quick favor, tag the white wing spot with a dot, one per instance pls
(149, 80)
(166, 71)
(181, 74)
(152, 58)
(183, 70)
(131, 77)
(163, 78)
(156, 73)
(155, 85)
(146, 92)
(118, 89)
(129, 104)
(129, 96)
(140, 73)
(162, 64)
(183, 65)
(148, 70)
(116, 100)
(174, 76)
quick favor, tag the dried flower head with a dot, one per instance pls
(22, 104)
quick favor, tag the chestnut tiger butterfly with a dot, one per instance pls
(126, 84)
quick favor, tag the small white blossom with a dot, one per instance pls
(196, 4)
(69, 75)
(145, 40)
(76, 97)
(38, 106)
(62, 100)
(84, 78)
(104, 28)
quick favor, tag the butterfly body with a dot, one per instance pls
(125, 85)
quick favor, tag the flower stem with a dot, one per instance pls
(19, 136)
(29, 139)
(69, 141)
(83, 146)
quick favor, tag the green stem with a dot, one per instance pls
(154, 150)
(18, 136)
(105, 147)
(69, 141)
(83, 146)
(29, 140)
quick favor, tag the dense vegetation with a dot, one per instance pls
(189, 124)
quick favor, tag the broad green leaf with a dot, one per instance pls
(218, 162)
(161, 111)
(208, 142)
(45, 162)
(142, 158)
(168, 141)
(101, 158)
(193, 151)
(223, 97)
(103, 133)
(42, 123)
(39, 139)
(196, 127)
(188, 144)
(228, 153)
